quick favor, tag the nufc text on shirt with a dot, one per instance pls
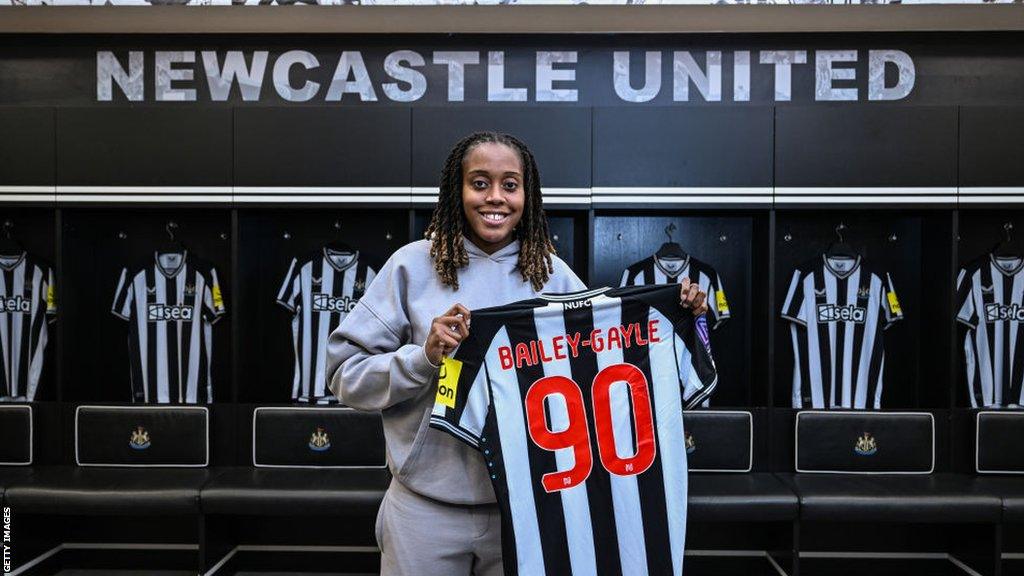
(838, 311)
(320, 291)
(171, 304)
(27, 306)
(990, 296)
(575, 402)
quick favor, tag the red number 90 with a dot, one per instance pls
(577, 434)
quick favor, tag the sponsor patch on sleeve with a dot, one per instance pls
(894, 303)
(448, 381)
(721, 303)
(218, 300)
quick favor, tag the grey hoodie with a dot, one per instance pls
(377, 362)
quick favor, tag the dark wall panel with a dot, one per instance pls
(991, 147)
(558, 137)
(26, 147)
(144, 146)
(322, 147)
(701, 147)
(869, 145)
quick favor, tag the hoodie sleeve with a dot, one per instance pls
(371, 362)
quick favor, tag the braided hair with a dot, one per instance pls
(449, 221)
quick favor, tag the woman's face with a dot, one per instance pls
(492, 194)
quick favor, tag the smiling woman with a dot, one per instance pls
(487, 245)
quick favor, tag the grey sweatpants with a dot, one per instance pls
(423, 537)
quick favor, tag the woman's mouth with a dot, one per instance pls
(494, 218)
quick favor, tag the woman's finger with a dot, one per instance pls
(454, 325)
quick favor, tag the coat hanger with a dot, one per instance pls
(337, 244)
(8, 244)
(670, 249)
(1007, 248)
(172, 244)
(839, 248)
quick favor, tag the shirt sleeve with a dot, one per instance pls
(51, 296)
(890, 303)
(291, 287)
(462, 399)
(213, 299)
(966, 312)
(123, 297)
(697, 373)
(718, 305)
(793, 307)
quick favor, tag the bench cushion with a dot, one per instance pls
(1011, 490)
(757, 497)
(938, 498)
(295, 492)
(108, 491)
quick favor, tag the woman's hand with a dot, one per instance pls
(691, 296)
(446, 331)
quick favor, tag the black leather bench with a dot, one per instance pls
(294, 492)
(73, 490)
(933, 498)
(750, 497)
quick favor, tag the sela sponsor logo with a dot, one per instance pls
(168, 312)
(834, 313)
(1004, 312)
(327, 303)
(15, 304)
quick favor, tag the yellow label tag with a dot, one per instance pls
(51, 298)
(722, 303)
(894, 304)
(448, 381)
(218, 300)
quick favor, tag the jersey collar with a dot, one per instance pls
(162, 270)
(330, 260)
(995, 264)
(686, 262)
(13, 265)
(577, 295)
(836, 273)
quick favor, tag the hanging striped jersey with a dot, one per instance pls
(990, 296)
(170, 303)
(838, 311)
(27, 305)
(320, 291)
(654, 270)
(576, 404)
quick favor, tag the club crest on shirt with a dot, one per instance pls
(690, 443)
(319, 440)
(359, 286)
(863, 293)
(865, 445)
(139, 439)
(190, 289)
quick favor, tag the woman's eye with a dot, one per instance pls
(511, 185)
(480, 184)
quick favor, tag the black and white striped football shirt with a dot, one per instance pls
(654, 270)
(838, 311)
(990, 296)
(576, 404)
(320, 291)
(171, 304)
(27, 305)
